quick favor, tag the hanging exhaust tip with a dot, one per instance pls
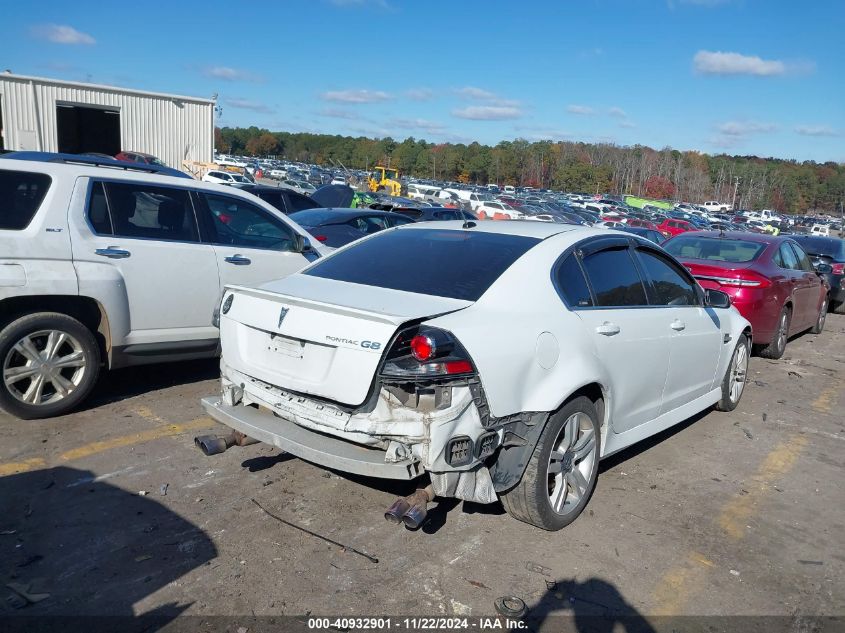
(395, 512)
(418, 502)
(216, 444)
(211, 444)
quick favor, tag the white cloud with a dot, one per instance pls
(617, 112)
(61, 34)
(432, 127)
(744, 128)
(226, 73)
(246, 104)
(580, 109)
(356, 96)
(719, 63)
(419, 94)
(816, 130)
(534, 133)
(488, 113)
(339, 113)
(471, 93)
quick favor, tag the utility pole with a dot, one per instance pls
(736, 186)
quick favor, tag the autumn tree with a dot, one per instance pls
(659, 187)
(263, 145)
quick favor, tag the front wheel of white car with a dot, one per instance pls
(563, 469)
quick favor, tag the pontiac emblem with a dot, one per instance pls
(282, 315)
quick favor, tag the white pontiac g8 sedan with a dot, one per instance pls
(496, 359)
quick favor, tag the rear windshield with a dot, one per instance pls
(21, 193)
(714, 248)
(319, 217)
(824, 246)
(454, 264)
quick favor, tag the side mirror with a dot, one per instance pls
(302, 244)
(823, 269)
(717, 299)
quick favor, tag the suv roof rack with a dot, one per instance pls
(94, 161)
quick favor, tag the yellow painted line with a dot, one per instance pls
(735, 514)
(675, 588)
(824, 403)
(137, 438)
(13, 468)
(678, 584)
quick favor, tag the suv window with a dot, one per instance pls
(21, 193)
(238, 223)
(142, 211)
(614, 279)
(571, 283)
(670, 285)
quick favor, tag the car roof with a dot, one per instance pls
(525, 228)
(92, 161)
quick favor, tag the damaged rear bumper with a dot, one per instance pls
(310, 445)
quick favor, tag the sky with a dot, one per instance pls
(747, 77)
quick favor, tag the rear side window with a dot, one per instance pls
(21, 193)
(443, 263)
(571, 283)
(142, 211)
(671, 287)
(615, 281)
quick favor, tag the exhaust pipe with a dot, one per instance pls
(216, 444)
(411, 510)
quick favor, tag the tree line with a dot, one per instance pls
(750, 182)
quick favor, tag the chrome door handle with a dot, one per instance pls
(608, 329)
(238, 260)
(112, 252)
(678, 325)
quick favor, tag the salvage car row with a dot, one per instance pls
(395, 356)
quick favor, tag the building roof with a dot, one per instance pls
(102, 87)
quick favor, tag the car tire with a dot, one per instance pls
(777, 346)
(566, 477)
(819, 324)
(52, 350)
(736, 376)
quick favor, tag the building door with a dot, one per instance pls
(82, 129)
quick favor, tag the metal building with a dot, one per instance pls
(64, 116)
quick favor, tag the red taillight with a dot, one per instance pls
(320, 238)
(838, 269)
(459, 367)
(422, 348)
(746, 279)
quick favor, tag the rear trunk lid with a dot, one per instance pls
(708, 274)
(319, 336)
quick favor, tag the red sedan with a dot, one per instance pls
(643, 224)
(671, 226)
(770, 281)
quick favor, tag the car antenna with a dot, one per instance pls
(468, 224)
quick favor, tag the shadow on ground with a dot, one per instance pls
(77, 546)
(132, 381)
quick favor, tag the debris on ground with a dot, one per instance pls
(163, 490)
(25, 592)
(510, 606)
(142, 558)
(537, 568)
(143, 493)
(734, 572)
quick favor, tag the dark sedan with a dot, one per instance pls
(828, 251)
(338, 227)
(432, 214)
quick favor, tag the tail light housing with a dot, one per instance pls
(838, 269)
(426, 352)
(747, 279)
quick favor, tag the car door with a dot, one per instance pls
(696, 334)
(252, 245)
(145, 239)
(793, 283)
(630, 343)
(809, 286)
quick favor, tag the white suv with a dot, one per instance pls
(113, 267)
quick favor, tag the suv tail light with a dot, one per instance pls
(426, 352)
(838, 269)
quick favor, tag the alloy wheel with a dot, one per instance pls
(571, 463)
(739, 372)
(44, 367)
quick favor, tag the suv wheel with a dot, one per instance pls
(48, 362)
(563, 469)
